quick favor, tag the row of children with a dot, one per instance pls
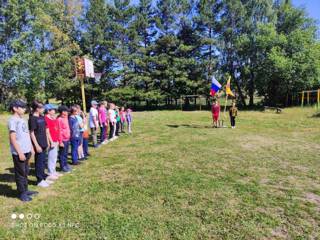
(108, 117)
(215, 109)
(48, 137)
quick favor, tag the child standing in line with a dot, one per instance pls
(21, 148)
(129, 119)
(74, 134)
(122, 119)
(233, 113)
(102, 121)
(52, 125)
(112, 122)
(107, 123)
(40, 138)
(94, 122)
(64, 138)
(118, 119)
(81, 123)
(85, 140)
(215, 112)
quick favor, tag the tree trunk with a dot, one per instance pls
(251, 89)
(242, 99)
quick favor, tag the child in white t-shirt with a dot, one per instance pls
(112, 122)
(94, 122)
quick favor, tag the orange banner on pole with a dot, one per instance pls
(228, 88)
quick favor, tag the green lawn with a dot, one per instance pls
(176, 177)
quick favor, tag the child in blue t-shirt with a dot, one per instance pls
(75, 134)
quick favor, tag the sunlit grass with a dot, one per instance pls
(176, 177)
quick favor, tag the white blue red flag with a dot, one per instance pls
(215, 86)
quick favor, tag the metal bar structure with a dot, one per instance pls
(318, 99)
(306, 94)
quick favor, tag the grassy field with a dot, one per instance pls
(176, 177)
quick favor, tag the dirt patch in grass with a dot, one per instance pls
(313, 198)
(279, 233)
(256, 142)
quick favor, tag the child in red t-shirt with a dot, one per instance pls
(215, 112)
(53, 126)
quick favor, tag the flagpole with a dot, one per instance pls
(225, 105)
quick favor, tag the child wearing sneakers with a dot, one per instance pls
(102, 115)
(85, 139)
(233, 113)
(40, 138)
(215, 109)
(94, 122)
(52, 125)
(122, 119)
(81, 123)
(75, 133)
(21, 148)
(112, 122)
(129, 119)
(64, 139)
(118, 120)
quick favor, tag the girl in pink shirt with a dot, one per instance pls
(64, 138)
(103, 120)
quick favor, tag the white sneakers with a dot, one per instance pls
(44, 184)
(58, 174)
(52, 177)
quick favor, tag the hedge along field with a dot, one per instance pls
(176, 177)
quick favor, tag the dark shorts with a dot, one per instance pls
(81, 138)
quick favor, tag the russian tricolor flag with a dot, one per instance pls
(215, 86)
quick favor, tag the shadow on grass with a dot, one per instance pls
(188, 126)
(9, 177)
(316, 115)
(8, 191)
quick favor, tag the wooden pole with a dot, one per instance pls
(181, 103)
(302, 98)
(308, 97)
(225, 106)
(318, 98)
(83, 94)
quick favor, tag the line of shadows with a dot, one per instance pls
(188, 126)
(6, 180)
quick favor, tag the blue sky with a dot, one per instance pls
(312, 7)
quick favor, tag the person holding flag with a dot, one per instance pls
(215, 87)
(215, 112)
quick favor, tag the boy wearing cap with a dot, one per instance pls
(21, 148)
(94, 122)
